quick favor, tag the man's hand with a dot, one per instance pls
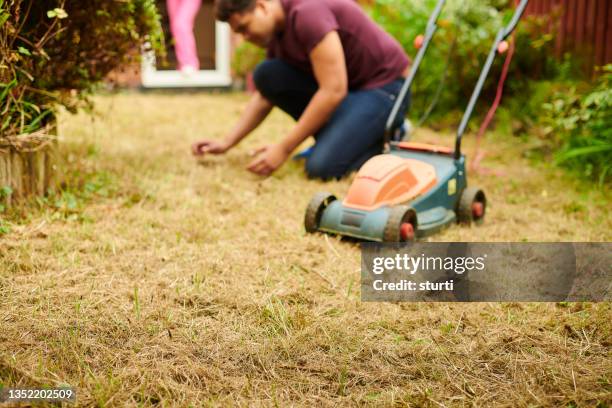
(255, 112)
(268, 159)
(209, 146)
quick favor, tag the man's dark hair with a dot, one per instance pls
(225, 8)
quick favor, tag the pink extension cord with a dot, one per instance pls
(479, 153)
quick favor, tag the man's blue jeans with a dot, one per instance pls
(354, 132)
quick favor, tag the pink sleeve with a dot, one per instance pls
(313, 21)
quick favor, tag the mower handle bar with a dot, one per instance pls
(429, 32)
(501, 36)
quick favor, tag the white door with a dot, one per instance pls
(213, 43)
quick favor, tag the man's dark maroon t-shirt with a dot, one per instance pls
(373, 57)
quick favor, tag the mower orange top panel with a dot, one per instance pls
(425, 147)
(389, 180)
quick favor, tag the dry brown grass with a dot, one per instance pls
(196, 284)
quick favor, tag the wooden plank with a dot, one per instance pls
(570, 29)
(561, 33)
(16, 174)
(608, 39)
(548, 6)
(4, 155)
(50, 166)
(9, 170)
(580, 22)
(5, 169)
(600, 32)
(3, 172)
(553, 23)
(37, 172)
(26, 175)
(590, 33)
(581, 47)
(26, 178)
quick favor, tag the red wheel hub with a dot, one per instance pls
(407, 231)
(477, 209)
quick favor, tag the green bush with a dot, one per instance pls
(245, 59)
(580, 125)
(56, 51)
(459, 48)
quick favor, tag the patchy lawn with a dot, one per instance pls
(154, 280)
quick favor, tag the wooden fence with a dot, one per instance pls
(582, 27)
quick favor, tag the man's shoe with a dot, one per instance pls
(304, 154)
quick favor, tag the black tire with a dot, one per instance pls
(465, 208)
(399, 215)
(315, 209)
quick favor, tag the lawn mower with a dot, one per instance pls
(414, 189)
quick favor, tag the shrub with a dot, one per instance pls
(56, 51)
(245, 59)
(581, 126)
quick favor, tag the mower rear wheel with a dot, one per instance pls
(401, 225)
(315, 209)
(472, 206)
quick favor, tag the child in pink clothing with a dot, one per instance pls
(182, 14)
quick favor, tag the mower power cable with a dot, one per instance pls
(510, 48)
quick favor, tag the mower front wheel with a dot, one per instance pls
(314, 212)
(472, 206)
(401, 225)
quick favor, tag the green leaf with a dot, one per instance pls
(34, 125)
(57, 13)
(6, 123)
(32, 106)
(581, 151)
(24, 51)
(4, 229)
(7, 88)
(3, 17)
(6, 191)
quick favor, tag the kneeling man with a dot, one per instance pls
(330, 67)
